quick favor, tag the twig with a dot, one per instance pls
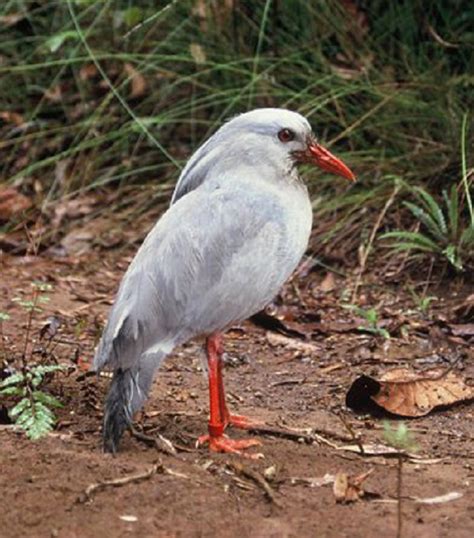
(288, 382)
(296, 435)
(355, 437)
(118, 482)
(159, 442)
(368, 248)
(258, 479)
(399, 495)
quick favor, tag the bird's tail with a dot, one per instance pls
(127, 393)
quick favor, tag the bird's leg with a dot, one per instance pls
(238, 421)
(219, 416)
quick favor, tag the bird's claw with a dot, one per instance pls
(222, 443)
(244, 423)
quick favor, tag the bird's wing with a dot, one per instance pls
(215, 257)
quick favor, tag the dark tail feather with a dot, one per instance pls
(128, 392)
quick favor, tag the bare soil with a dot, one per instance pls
(287, 381)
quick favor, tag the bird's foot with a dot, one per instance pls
(222, 443)
(244, 423)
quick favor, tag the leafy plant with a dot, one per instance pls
(375, 84)
(372, 318)
(441, 234)
(33, 412)
(403, 440)
(422, 302)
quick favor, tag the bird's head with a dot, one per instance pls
(269, 142)
(281, 136)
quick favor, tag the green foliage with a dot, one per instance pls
(441, 234)
(377, 85)
(372, 318)
(400, 438)
(422, 302)
(33, 412)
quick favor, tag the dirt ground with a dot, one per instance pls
(297, 382)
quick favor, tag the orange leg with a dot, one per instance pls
(219, 416)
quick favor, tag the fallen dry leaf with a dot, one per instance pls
(462, 329)
(409, 394)
(329, 283)
(72, 209)
(317, 482)
(12, 117)
(348, 488)
(12, 202)
(88, 71)
(291, 343)
(137, 80)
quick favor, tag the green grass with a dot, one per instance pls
(389, 95)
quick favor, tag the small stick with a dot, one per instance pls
(118, 482)
(354, 436)
(258, 479)
(399, 495)
(159, 442)
(295, 435)
(368, 248)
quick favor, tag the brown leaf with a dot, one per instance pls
(137, 79)
(72, 209)
(465, 310)
(462, 329)
(329, 283)
(54, 94)
(348, 488)
(12, 117)
(12, 19)
(77, 242)
(304, 348)
(88, 71)
(409, 394)
(12, 202)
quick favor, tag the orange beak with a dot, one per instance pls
(327, 161)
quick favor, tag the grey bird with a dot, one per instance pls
(237, 227)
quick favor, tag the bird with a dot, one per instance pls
(237, 226)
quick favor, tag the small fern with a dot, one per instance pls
(33, 411)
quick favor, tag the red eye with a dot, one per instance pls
(286, 135)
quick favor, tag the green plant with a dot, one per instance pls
(32, 411)
(372, 318)
(442, 235)
(377, 85)
(403, 440)
(422, 301)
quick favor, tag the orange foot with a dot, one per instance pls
(222, 443)
(244, 423)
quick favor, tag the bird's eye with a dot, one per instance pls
(286, 135)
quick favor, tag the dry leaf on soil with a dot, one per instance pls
(138, 81)
(410, 394)
(349, 488)
(304, 348)
(12, 202)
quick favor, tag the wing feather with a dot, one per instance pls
(197, 272)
